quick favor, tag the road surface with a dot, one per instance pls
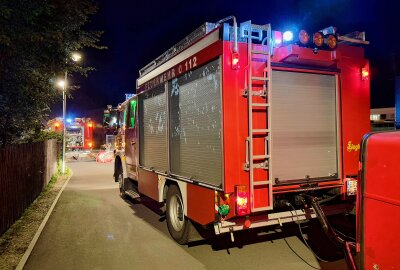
(93, 228)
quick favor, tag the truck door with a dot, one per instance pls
(131, 139)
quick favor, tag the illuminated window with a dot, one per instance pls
(132, 113)
(124, 116)
(374, 117)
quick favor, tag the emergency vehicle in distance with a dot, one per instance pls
(232, 124)
(78, 132)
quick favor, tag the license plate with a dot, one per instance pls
(351, 187)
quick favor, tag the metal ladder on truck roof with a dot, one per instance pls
(259, 162)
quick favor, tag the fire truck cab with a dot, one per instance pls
(233, 122)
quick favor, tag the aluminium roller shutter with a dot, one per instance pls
(304, 126)
(153, 129)
(195, 124)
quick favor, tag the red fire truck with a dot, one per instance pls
(78, 132)
(233, 123)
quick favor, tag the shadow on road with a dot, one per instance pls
(154, 214)
(313, 234)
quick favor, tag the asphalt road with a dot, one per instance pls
(93, 228)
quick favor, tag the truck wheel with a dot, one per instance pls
(117, 168)
(178, 224)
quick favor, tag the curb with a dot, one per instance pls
(32, 244)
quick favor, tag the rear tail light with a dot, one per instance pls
(235, 60)
(247, 223)
(241, 200)
(364, 74)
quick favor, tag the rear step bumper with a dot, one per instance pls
(278, 218)
(131, 189)
(263, 221)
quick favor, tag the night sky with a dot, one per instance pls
(136, 32)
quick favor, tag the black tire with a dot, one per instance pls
(117, 168)
(121, 184)
(178, 224)
(116, 176)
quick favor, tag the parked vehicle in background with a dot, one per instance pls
(233, 123)
(78, 132)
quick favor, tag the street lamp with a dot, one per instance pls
(61, 84)
(76, 57)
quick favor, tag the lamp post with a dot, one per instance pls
(76, 57)
(62, 85)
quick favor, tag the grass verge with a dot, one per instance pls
(17, 238)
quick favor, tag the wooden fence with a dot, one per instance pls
(25, 170)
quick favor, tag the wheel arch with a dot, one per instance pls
(166, 183)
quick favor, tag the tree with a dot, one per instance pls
(36, 38)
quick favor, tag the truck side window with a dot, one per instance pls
(132, 113)
(124, 123)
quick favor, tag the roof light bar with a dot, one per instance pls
(304, 37)
(287, 36)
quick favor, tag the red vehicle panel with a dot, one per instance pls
(379, 204)
(200, 204)
(234, 120)
(88, 131)
(148, 183)
(355, 95)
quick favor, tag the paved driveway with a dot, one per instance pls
(93, 228)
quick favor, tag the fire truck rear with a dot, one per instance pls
(78, 132)
(231, 124)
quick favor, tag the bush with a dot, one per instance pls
(45, 135)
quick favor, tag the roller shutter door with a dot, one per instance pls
(195, 124)
(304, 126)
(153, 129)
